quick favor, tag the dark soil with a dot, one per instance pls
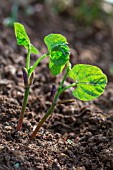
(77, 136)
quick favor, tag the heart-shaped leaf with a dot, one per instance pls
(90, 81)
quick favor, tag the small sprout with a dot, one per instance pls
(88, 81)
(28, 71)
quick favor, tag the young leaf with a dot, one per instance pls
(90, 81)
(59, 52)
(22, 37)
(52, 40)
(55, 69)
(34, 50)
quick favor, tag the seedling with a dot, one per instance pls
(28, 71)
(88, 81)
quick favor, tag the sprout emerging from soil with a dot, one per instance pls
(28, 71)
(88, 81)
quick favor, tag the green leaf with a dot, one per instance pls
(21, 35)
(53, 40)
(90, 81)
(34, 50)
(59, 52)
(55, 69)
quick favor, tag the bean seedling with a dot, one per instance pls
(28, 71)
(88, 81)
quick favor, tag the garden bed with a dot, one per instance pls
(78, 135)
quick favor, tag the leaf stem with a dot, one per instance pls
(20, 121)
(28, 57)
(49, 112)
(67, 87)
(37, 62)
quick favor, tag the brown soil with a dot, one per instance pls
(77, 136)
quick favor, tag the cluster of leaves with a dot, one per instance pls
(88, 81)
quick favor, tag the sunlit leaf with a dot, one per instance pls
(34, 50)
(22, 37)
(55, 69)
(53, 40)
(90, 81)
(59, 52)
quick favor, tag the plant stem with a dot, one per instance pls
(20, 121)
(64, 78)
(28, 57)
(33, 135)
(49, 112)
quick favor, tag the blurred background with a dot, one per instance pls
(87, 25)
